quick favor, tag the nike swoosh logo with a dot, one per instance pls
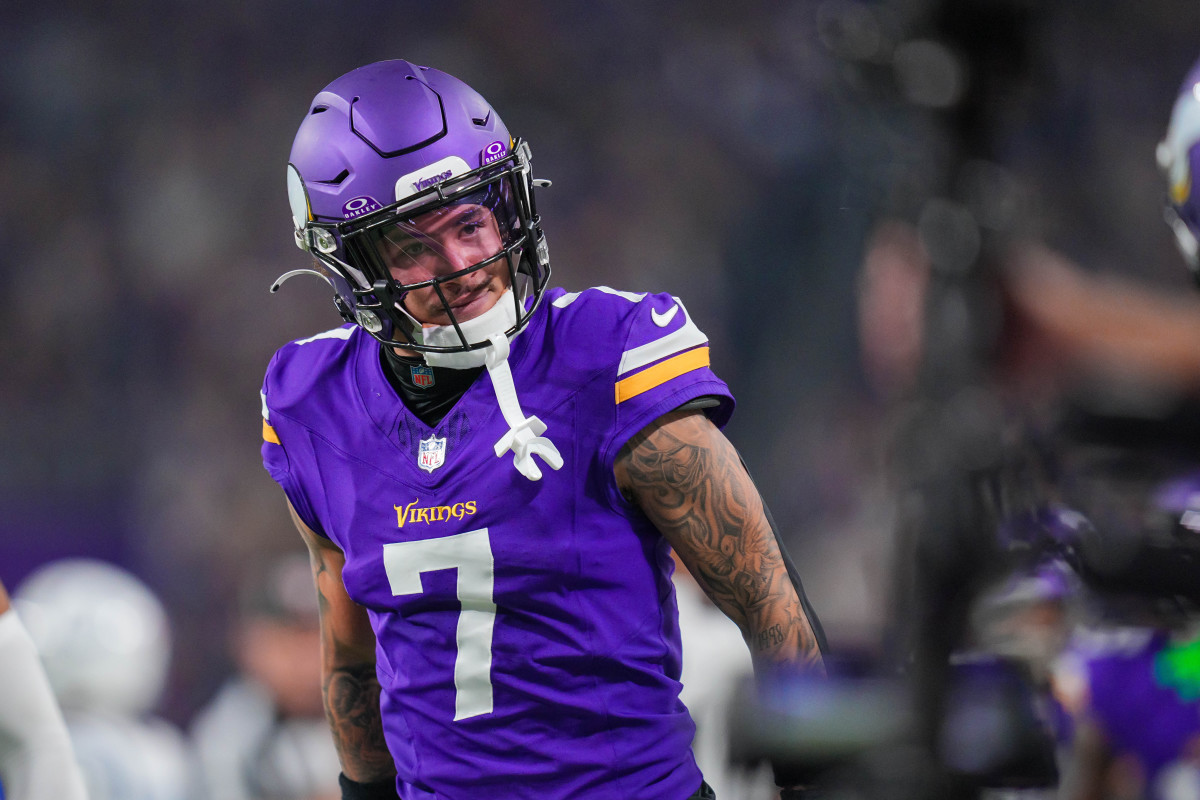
(663, 320)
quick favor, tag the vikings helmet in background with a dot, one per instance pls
(385, 146)
(1179, 158)
(1131, 479)
(103, 636)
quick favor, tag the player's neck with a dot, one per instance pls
(428, 392)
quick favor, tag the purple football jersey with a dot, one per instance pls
(1143, 717)
(528, 642)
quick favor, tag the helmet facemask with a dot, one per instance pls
(428, 258)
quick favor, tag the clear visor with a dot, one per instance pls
(441, 257)
(447, 264)
(448, 242)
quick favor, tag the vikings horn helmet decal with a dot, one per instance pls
(383, 150)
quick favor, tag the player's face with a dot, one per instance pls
(442, 243)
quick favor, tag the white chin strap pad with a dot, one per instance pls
(524, 436)
(497, 319)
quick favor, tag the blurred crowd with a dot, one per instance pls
(741, 155)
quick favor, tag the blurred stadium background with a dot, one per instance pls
(736, 154)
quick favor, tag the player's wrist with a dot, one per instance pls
(376, 790)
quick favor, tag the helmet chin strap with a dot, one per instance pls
(497, 319)
(524, 437)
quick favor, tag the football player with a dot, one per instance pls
(492, 552)
(36, 757)
(1135, 691)
(1129, 676)
(105, 640)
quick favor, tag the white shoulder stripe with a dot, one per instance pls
(571, 297)
(336, 333)
(565, 300)
(675, 341)
(265, 411)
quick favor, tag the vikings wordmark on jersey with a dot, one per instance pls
(528, 636)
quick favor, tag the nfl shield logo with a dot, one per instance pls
(422, 376)
(432, 454)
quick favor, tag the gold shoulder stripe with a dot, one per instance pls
(660, 373)
(269, 434)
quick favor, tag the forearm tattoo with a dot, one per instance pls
(352, 706)
(688, 479)
(350, 686)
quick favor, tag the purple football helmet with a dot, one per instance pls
(383, 151)
(1179, 158)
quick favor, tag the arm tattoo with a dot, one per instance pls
(689, 481)
(770, 637)
(349, 684)
(352, 707)
(351, 692)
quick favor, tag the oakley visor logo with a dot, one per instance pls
(359, 206)
(493, 152)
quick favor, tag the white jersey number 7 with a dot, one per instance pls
(471, 554)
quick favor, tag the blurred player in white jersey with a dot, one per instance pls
(104, 638)
(36, 759)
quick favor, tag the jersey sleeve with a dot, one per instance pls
(275, 455)
(664, 363)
